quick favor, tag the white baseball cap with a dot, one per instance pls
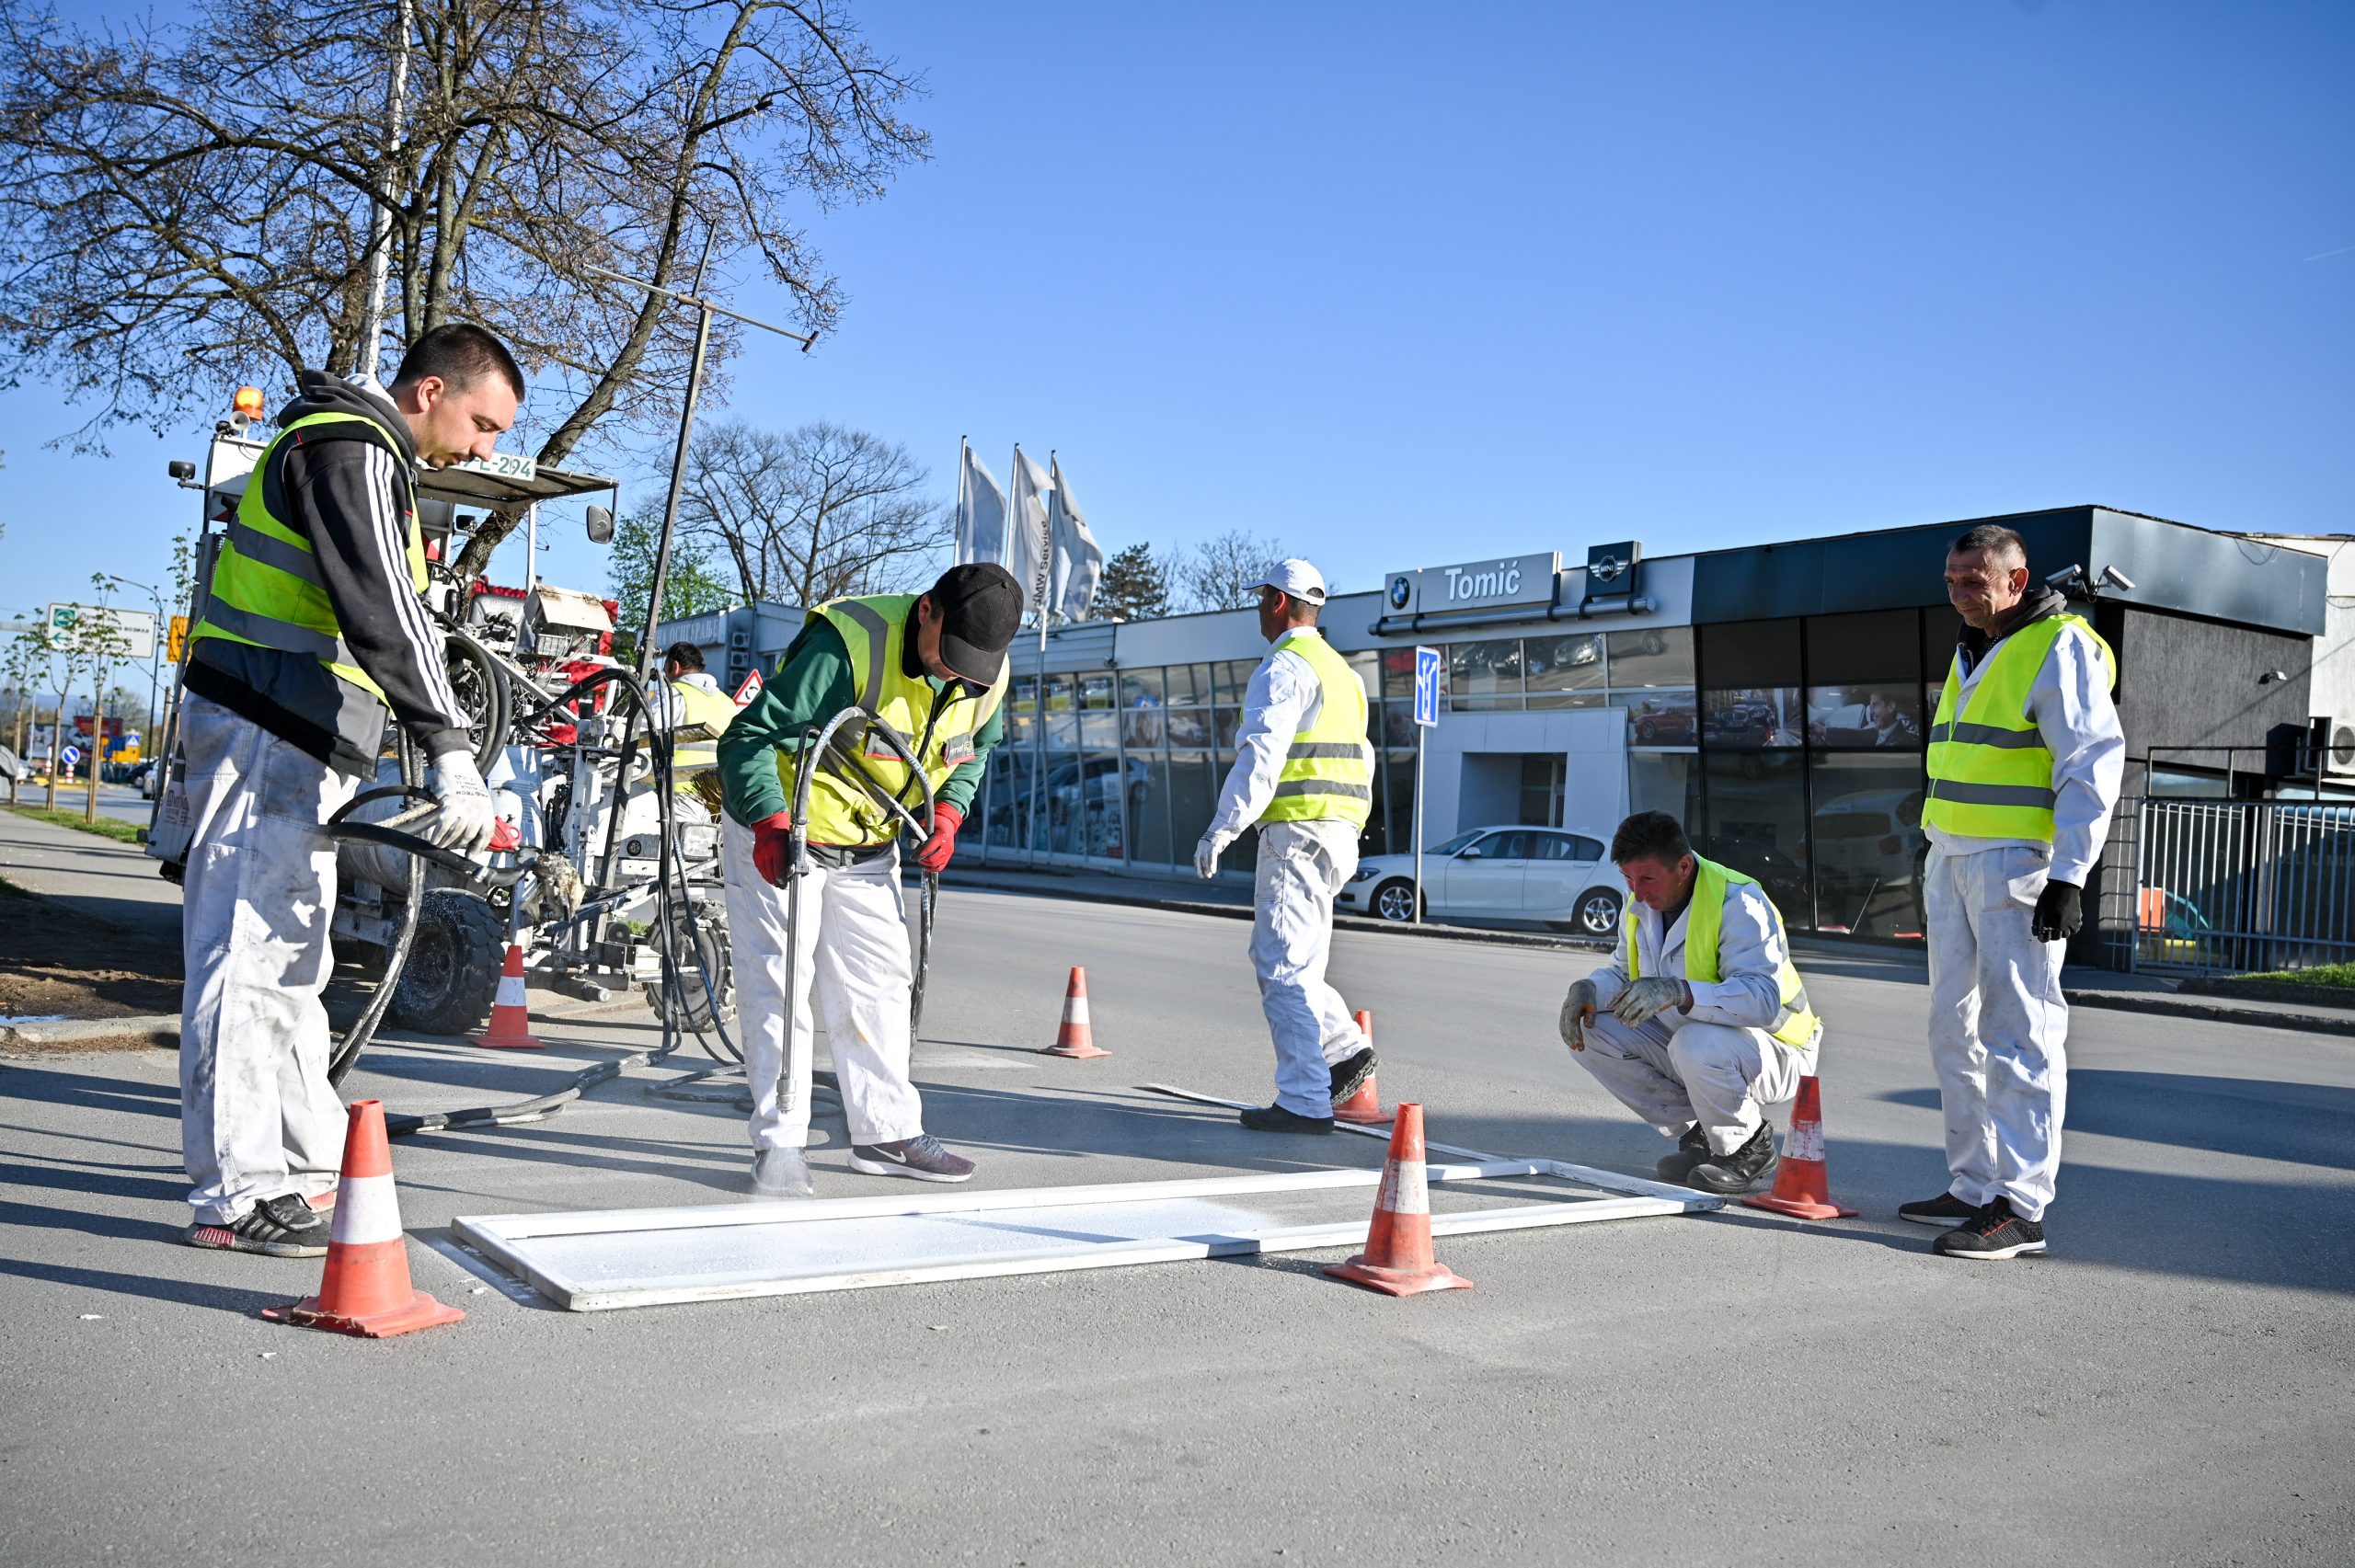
(1297, 577)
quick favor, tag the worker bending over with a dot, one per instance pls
(933, 667)
(1699, 1022)
(1303, 773)
(312, 625)
(690, 706)
(2026, 761)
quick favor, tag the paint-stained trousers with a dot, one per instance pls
(1674, 1073)
(1998, 1027)
(1302, 866)
(854, 950)
(258, 1116)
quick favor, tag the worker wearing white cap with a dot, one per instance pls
(1304, 773)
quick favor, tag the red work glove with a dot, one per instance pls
(773, 847)
(946, 820)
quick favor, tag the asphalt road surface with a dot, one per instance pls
(2172, 1384)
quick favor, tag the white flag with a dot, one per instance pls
(980, 512)
(1025, 529)
(1078, 559)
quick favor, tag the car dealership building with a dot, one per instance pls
(1775, 697)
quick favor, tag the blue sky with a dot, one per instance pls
(1406, 285)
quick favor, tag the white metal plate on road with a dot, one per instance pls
(599, 1259)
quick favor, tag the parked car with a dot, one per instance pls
(1553, 875)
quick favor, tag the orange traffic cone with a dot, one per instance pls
(1397, 1258)
(511, 1017)
(1363, 1107)
(1803, 1186)
(1074, 1038)
(366, 1290)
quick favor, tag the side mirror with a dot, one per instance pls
(600, 525)
(1469, 851)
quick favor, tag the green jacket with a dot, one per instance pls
(813, 684)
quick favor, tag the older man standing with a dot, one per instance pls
(1303, 771)
(2025, 759)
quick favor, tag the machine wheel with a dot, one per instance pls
(703, 941)
(1394, 901)
(452, 976)
(1597, 914)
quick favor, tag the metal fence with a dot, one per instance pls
(2228, 885)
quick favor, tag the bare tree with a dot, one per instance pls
(182, 204)
(812, 514)
(1218, 572)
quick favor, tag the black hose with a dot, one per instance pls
(347, 1050)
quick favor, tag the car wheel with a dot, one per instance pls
(1394, 901)
(1597, 913)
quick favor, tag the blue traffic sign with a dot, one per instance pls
(72, 756)
(1429, 669)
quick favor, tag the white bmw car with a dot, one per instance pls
(1553, 875)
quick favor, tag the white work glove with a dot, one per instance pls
(1578, 1012)
(1206, 854)
(1652, 994)
(465, 821)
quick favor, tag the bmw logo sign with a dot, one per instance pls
(1401, 591)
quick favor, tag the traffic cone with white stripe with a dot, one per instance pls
(1075, 1039)
(1397, 1259)
(1803, 1183)
(510, 1016)
(366, 1290)
(1364, 1108)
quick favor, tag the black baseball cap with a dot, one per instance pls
(981, 608)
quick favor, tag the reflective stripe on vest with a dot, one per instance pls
(1795, 1024)
(1990, 771)
(873, 631)
(697, 707)
(1328, 769)
(266, 589)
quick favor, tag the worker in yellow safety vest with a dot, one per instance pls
(311, 629)
(933, 666)
(2026, 761)
(1304, 773)
(694, 711)
(1700, 1021)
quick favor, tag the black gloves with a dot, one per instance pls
(2060, 912)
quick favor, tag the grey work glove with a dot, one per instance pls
(465, 821)
(1648, 997)
(1578, 1012)
(1206, 854)
(2060, 912)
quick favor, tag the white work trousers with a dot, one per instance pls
(258, 1116)
(1673, 1075)
(1301, 866)
(1998, 1025)
(854, 948)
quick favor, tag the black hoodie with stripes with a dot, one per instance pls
(347, 497)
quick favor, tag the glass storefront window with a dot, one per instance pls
(1757, 823)
(1190, 726)
(1564, 672)
(1099, 731)
(1193, 795)
(1659, 781)
(1149, 838)
(1234, 679)
(1393, 723)
(1097, 691)
(1059, 694)
(1661, 717)
(1143, 725)
(1881, 716)
(1398, 675)
(1880, 645)
(1397, 795)
(1868, 847)
(1654, 656)
(1189, 684)
(1749, 718)
(1484, 674)
(1022, 694)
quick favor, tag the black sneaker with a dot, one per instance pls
(1275, 1118)
(923, 1157)
(1691, 1149)
(1991, 1235)
(1944, 1209)
(1747, 1169)
(280, 1227)
(1351, 1072)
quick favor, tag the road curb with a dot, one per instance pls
(2210, 1012)
(70, 1031)
(2336, 998)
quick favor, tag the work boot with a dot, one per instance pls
(1747, 1169)
(280, 1227)
(1275, 1118)
(1944, 1210)
(923, 1157)
(1991, 1235)
(1691, 1149)
(781, 1172)
(1351, 1072)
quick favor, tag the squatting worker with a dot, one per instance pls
(693, 710)
(313, 625)
(1303, 771)
(932, 665)
(1699, 1022)
(2025, 759)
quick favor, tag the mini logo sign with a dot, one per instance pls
(1610, 570)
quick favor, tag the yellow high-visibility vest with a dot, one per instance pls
(1704, 918)
(1991, 773)
(1328, 771)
